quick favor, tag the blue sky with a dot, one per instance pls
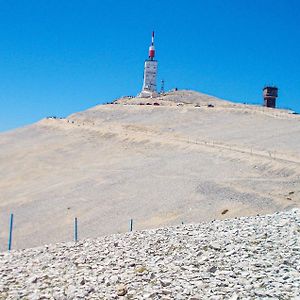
(58, 57)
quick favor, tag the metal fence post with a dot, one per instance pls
(10, 231)
(131, 225)
(75, 229)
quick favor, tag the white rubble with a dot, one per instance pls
(243, 258)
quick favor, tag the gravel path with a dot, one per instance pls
(245, 258)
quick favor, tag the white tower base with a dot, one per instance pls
(149, 84)
(147, 94)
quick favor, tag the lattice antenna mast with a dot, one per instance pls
(162, 87)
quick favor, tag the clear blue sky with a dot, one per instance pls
(58, 57)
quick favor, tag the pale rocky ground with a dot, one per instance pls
(159, 165)
(246, 258)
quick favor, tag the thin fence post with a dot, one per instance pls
(10, 231)
(75, 229)
(131, 225)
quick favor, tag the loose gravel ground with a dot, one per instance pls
(245, 258)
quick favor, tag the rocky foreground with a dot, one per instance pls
(245, 258)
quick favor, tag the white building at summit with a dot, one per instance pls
(150, 73)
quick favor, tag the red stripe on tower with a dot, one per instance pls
(151, 48)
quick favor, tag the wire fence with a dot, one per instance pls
(76, 226)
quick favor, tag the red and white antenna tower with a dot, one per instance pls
(150, 73)
(151, 48)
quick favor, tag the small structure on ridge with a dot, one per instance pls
(270, 93)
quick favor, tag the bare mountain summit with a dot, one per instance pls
(183, 157)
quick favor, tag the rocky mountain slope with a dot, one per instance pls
(246, 258)
(183, 157)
